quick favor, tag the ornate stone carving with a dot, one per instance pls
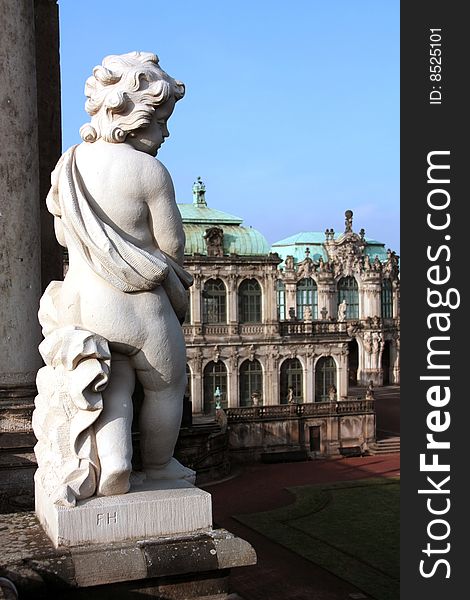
(234, 358)
(214, 238)
(197, 360)
(391, 266)
(111, 199)
(289, 263)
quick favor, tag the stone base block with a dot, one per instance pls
(150, 510)
(175, 568)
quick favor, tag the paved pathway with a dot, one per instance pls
(281, 574)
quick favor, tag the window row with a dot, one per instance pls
(251, 383)
(214, 300)
(348, 291)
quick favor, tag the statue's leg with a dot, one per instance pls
(160, 415)
(113, 428)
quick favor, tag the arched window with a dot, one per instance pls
(281, 300)
(215, 386)
(214, 301)
(306, 295)
(325, 378)
(249, 301)
(387, 299)
(291, 381)
(251, 383)
(348, 290)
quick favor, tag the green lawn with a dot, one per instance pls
(349, 528)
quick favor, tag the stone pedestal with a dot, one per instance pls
(153, 509)
(186, 566)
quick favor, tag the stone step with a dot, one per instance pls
(386, 446)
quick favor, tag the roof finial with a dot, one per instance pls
(348, 222)
(199, 193)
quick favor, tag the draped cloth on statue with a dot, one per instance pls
(78, 361)
(68, 403)
(117, 260)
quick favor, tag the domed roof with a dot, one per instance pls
(198, 218)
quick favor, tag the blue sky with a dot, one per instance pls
(291, 113)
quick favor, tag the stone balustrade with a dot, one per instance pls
(286, 411)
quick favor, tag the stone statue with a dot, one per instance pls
(289, 262)
(214, 238)
(342, 306)
(290, 396)
(117, 314)
(332, 393)
(370, 391)
(307, 314)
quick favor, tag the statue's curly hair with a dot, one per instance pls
(123, 93)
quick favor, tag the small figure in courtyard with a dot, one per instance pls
(370, 391)
(342, 310)
(117, 314)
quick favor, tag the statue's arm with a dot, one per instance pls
(164, 217)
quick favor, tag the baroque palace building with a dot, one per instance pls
(299, 322)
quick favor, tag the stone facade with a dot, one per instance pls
(263, 326)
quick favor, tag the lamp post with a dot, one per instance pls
(217, 398)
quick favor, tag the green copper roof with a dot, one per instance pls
(304, 237)
(197, 217)
(203, 214)
(296, 245)
(243, 241)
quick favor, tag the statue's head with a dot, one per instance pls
(123, 93)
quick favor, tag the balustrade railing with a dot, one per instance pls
(286, 411)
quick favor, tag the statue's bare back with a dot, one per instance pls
(117, 314)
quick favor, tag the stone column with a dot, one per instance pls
(396, 299)
(291, 297)
(20, 248)
(395, 360)
(342, 361)
(371, 296)
(196, 386)
(46, 22)
(270, 298)
(196, 308)
(309, 394)
(232, 304)
(326, 294)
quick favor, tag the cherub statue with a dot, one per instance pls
(117, 314)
